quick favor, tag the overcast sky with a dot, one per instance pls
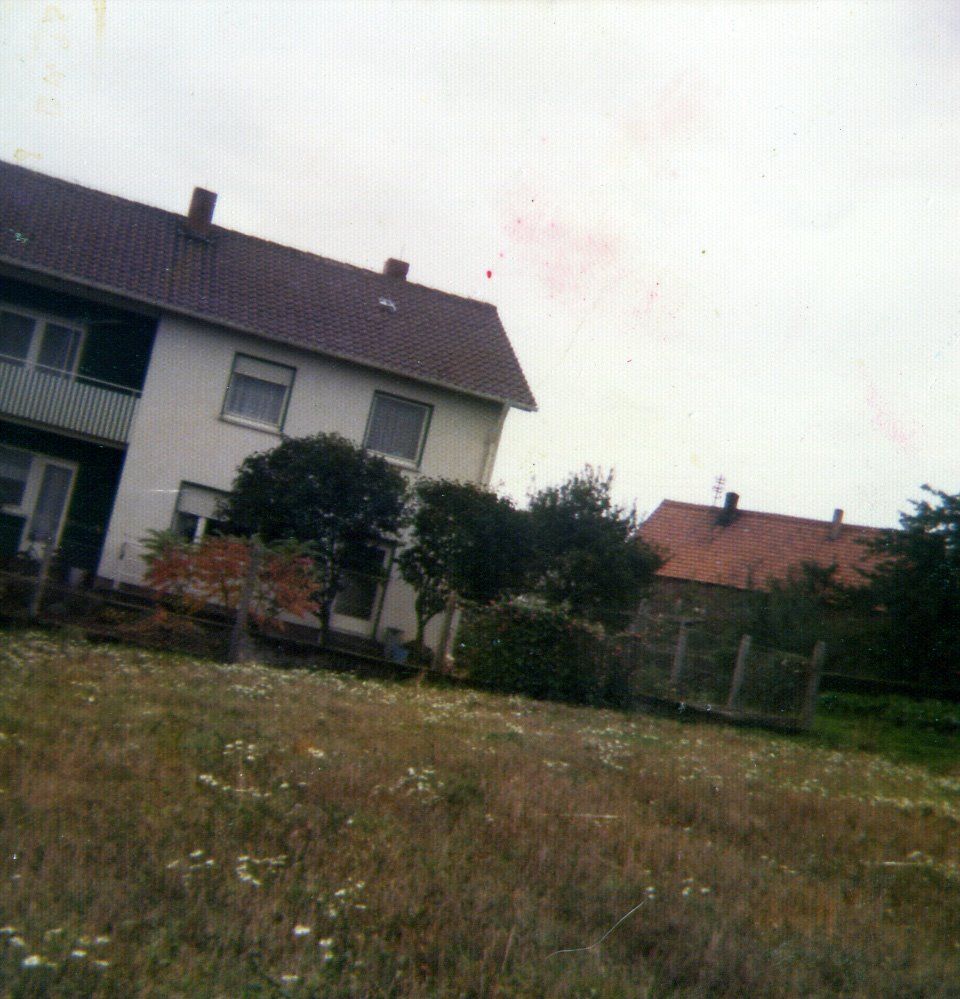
(722, 236)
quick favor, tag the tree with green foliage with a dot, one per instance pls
(322, 490)
(465, 540)
(791, 614)
(588, 556)
(917, 581)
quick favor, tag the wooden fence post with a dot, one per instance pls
(813, 685)
(680, 656)
(237, 650)
(739, 671)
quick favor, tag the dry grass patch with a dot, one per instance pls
(177, 827)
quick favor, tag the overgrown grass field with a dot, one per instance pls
(176, 827)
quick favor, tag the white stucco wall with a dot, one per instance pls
(180, 436)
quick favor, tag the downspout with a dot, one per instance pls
(491, 446)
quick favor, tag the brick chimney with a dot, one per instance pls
(835, 524)
(200, 217)
(729, 511)
(396, 269)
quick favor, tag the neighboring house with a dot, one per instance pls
(144, 355)
(708, 549)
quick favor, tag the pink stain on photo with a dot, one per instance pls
(568, 257)
(887, 421)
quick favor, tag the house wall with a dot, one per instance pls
(180, 436)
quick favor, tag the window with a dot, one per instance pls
(196, 512)
(31, 341)
(14, 473)
(360, 585)
(258, 391)
(397, 427)
(36, 489)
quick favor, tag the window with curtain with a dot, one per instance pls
(258, 391)
(397, 427)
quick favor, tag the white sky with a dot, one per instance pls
(722, 236)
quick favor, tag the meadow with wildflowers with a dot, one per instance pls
(178, 827)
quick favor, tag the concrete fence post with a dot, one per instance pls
(739, 671)
(446, 634)
(680, 655)
(43, 577)
(237, 649)
(817, 659)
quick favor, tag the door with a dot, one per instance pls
(34, 495)
(51, 503)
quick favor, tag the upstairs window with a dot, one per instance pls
(258, 391)
(196, 512)
(397, 427)
(30, 341)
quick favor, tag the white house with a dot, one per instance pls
(145, 354)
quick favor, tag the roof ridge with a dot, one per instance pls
(741, 511)
(256, 285)
(216, 228)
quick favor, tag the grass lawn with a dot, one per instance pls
(176, 827)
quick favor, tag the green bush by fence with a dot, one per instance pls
(526, 648)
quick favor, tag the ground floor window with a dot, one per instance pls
(197, 511)
(35, 489)
(361, 585)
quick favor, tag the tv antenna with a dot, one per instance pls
(719, 484)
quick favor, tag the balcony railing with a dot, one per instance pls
(57, 399)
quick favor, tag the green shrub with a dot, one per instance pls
(524, 647)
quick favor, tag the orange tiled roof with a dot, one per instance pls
(753, 548)
(63, 231)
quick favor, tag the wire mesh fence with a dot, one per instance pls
(747, 682)
(674, 662)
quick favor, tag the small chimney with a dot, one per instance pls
(396, 269)
(729, 510)
(835, 524)
(200, 217)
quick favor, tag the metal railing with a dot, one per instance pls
(59, 399)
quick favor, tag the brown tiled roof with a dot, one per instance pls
(69, 232)
(753, 549)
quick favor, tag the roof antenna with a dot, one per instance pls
(719, 484)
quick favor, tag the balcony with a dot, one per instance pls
(74, 403)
